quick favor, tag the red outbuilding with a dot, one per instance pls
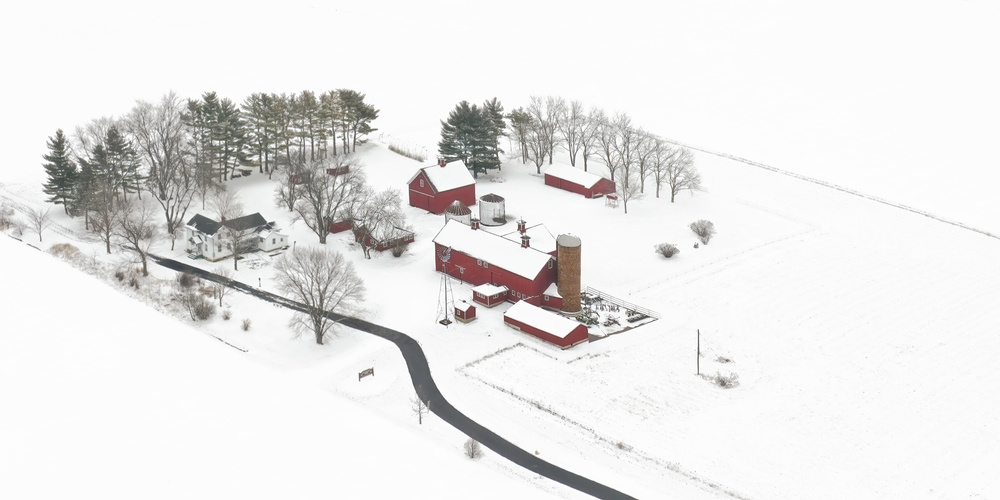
(434, 188)
(577, 181)
(464, 311)
(478, 256)
(545, 325)
(489, 295)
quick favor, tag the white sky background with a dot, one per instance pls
(897, 99)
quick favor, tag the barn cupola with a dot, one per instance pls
(442, 162)
(525, 241)
(522, 227)
(474, 223)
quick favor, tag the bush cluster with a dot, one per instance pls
(667, 250)
(704, 229)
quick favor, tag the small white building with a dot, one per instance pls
(214, 241)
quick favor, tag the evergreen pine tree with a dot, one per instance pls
(468, 135)
(61, 171)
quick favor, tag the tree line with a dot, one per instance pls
(631, 155)
(179, 149)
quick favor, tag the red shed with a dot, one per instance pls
(464, 311)
(434, 188)
(545, 325)
(577, 181)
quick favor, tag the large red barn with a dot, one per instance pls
(478, 256)
(577, 181)
(545, 325)
(435, 187)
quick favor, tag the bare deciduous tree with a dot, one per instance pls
(548, 115)
(136, 229)
(38, 220)
(379, 217)
(222, 285)
(588, 135)
(571, 128)
(472, 448)
(322, 280)
(165, 146)
(226, 203)
(680, 172)
(419, 408)
(323, 198)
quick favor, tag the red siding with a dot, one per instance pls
(603, 186)
(427, 199)
(467, 269)
(578, 335)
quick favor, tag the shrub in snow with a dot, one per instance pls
(667, 250)
(185, 280)
(399, 249)
(473, 449)
(204, 309)
(226, 314)
(726, 381)
(704, 229)
(623, 446)
(245, 325)
(120, 275)
(65, 251)
(723, 359)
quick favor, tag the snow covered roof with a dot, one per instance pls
(541, 319)
(541, 239)
(458, 208)
(489, 290)
(553, 291)
(463, 306)
(492, 248)
(454, 175)
(574, 175)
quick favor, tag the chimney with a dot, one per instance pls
(474, 223)
(441, 162)
(525, 241)
(522, 226)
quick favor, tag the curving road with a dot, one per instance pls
(427, 390)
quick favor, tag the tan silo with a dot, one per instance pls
(568, 275)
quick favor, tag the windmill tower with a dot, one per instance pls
(446, 298)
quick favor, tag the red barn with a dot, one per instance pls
(577, 181)
(434, 188)
(545, 325)
(478, 256)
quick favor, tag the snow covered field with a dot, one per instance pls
(863, 335)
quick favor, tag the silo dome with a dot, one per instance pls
(491, 210)
(458, 211)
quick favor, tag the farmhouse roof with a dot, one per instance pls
(493, 249)
(574, 175)
(205, 225)
(541, 319)
(453, 175)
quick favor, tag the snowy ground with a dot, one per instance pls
(862, 335)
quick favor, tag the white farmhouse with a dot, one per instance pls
(214, 240)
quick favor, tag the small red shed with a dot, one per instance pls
(545, 325)
(489, 295)
(577, 181)
(436, 187)
(464, 311)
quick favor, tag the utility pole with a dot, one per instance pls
(698, 356)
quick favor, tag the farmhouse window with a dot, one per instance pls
(275, 240)
(220, 247)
